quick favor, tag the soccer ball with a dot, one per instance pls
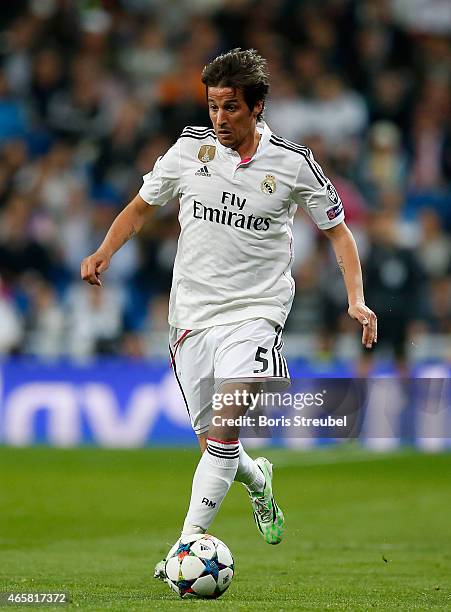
(199, 566)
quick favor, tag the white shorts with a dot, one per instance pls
(249, 350)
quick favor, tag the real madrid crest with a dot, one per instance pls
(268, 184)
(206, 153)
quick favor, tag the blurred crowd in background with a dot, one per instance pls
(92, 92)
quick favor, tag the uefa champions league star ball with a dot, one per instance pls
(199, 566)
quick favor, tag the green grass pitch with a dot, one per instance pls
(365, 531)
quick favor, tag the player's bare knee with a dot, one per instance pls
(224, 433)
(225, 423)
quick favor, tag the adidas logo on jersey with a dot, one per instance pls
(203, 171)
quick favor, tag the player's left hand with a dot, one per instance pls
(368, 319)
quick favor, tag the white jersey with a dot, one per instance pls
(234, 252)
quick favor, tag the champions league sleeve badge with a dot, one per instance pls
(332, 194)
(206, 153)
(336, 209)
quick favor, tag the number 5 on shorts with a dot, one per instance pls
(259, 356)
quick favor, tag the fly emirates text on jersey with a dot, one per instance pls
(232, 218)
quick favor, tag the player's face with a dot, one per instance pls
(233, 122)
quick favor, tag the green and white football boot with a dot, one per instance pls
(267, 514)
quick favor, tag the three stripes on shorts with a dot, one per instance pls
(280, 367)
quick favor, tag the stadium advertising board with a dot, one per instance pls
(120, 403)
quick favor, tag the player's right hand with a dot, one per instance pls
(92, 267)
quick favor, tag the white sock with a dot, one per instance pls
(212, 479)
(248, 472)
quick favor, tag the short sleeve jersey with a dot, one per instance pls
(234, 252)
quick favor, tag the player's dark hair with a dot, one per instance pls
(245, 70)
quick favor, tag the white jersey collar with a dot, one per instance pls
(263, 129)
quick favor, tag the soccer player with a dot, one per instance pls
(239, 186)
